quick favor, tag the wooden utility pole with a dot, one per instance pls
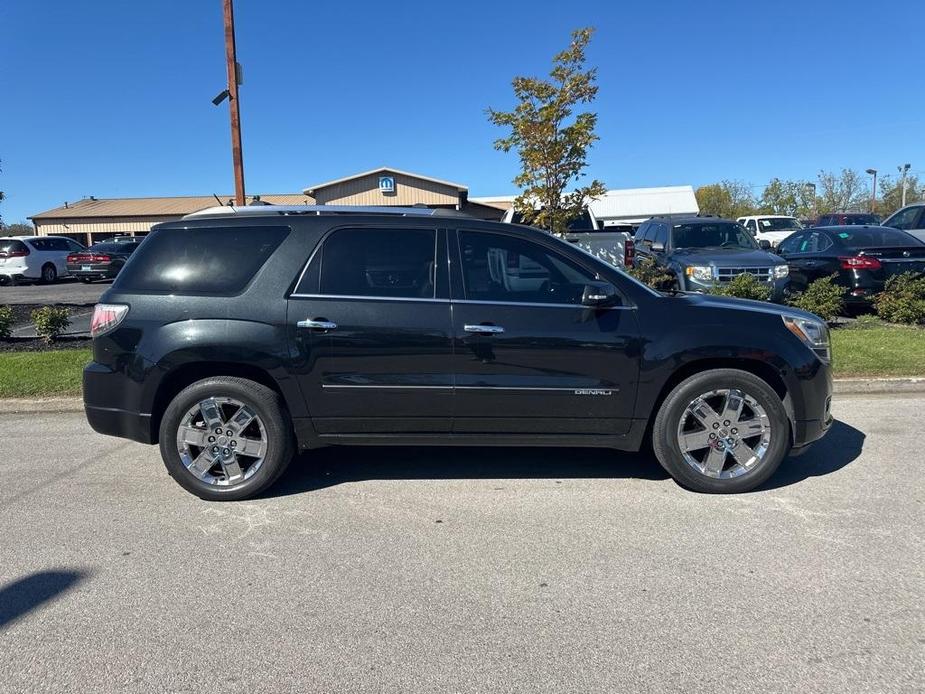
(232, 60)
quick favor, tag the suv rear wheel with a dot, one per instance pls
(226, 438)
(721, 431)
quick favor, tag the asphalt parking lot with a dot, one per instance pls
(468, 570)
(66, 291)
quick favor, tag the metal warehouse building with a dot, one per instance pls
(95, 219)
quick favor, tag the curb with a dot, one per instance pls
(878, 386)
(842, 386)
(41, 405)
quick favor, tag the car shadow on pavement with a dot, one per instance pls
(26, 594)
(327, 467)
(839, 447)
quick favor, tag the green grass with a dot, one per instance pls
(42, 374)
(889, 350)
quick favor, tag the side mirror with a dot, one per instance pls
(658, 247)
(764, 245)
(599, 294)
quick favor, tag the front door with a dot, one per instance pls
(529, 357)
(370, 324)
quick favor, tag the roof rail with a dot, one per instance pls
(287, 210)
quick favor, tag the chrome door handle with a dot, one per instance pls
(316, 324)
(484, 329)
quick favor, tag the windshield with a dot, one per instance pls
(778, 224)
(879, 237)
(711, 235)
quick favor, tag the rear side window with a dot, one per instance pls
(12, 246)
(213, 260)
(879, 237)
(389, 263)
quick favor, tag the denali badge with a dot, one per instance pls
(592, 391)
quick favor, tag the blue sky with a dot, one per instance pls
(112, 99)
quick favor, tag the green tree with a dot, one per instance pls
(729, 199)
(794, 198)
(891, 193)
(844, 192)
(551, 139)
(17, 229)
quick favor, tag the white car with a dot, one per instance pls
(772, 228)
(910, 219)
(34, 258)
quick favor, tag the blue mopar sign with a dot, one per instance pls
(386, 184)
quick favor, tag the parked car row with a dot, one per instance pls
(46, 258)
(705, 252)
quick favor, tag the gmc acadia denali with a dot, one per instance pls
(235, 336)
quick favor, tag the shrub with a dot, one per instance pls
(744, 286)
(50, 322)
(903, 299)
(6, 322)
(822, 297)
(647, 271)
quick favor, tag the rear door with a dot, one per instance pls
(529, 358)
(370, 322)
(809, 259)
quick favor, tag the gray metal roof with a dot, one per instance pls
(268, 210)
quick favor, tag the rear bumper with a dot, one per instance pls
(13, 277)
(108, 403)
(122, 423)
(95, 271)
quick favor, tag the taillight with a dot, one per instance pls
(629, 253)
(14, 254)
(106, 317)
(860, 262)
(99, 258)
(73, 258)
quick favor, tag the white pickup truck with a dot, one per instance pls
(772, 228)
(587, 232)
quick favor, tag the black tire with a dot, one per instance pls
(49, 274)
(665, 431)
(273, 415)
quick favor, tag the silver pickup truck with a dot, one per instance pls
(588, 233)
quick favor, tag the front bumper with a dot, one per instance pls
(778, 287)
(814, 415)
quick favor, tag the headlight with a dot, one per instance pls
(781, 271)
(704, 273)
(813, 333)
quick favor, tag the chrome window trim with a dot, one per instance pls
(578, 390)
(369, 298)
(541, 305)
(459, 301)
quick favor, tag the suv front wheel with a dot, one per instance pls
(226, 438)
(721, 431)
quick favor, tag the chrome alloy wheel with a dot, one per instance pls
(221, 441)
(724, 433)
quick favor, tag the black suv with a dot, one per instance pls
(705, 252)
(235, 336)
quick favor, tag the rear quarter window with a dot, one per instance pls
(12, 246)
(204, 260)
